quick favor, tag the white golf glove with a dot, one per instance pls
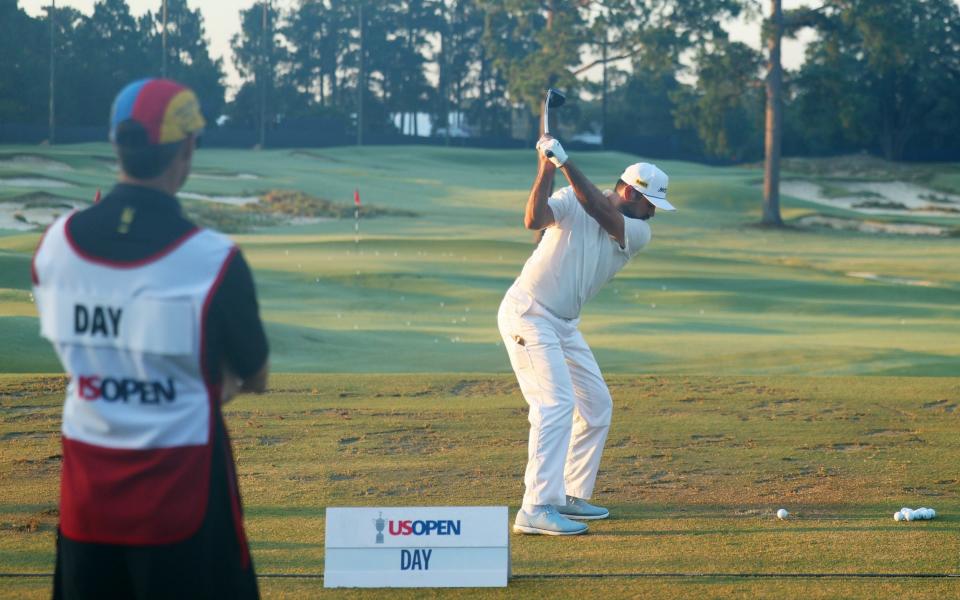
(551, 148)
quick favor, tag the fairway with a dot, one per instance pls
(751, 369)
(712, 294)
(695, 467)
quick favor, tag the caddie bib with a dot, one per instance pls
(140, 406)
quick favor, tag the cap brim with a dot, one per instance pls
(660, 203)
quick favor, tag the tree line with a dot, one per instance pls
(653, 76)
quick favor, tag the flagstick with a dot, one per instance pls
(356, 216)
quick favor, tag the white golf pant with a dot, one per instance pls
(570, 404)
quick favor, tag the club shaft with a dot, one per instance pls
(546, 122)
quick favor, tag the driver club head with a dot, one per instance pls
(555, 98)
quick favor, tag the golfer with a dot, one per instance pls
(155, 321)
(590, 235)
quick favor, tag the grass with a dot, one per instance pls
(712, 293)
(750, 372)
(695, 467)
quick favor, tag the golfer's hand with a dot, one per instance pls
(550, 148)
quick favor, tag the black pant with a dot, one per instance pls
(207, 565)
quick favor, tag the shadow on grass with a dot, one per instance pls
(737, 531)
(317, 512)
(28, 508)
(261, 544)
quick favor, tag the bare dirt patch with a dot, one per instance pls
(234, 200)
(292, 203)
(237, 214)
(483, 387)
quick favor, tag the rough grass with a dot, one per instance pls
(864, 167)
(695, 467)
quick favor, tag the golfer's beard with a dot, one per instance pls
(630, 213)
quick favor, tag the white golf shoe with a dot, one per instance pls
(581, 510)
(546, 522)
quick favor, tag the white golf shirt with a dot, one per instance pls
(576, 256)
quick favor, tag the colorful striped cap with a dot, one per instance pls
(154, 111)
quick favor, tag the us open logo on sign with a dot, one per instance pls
(421, 527)
(379, 523)
(417, 547)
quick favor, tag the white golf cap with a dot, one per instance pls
(649, 181)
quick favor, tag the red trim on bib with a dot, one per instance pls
(133, 497)
(126, 264)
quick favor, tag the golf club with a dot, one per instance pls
(554, 98)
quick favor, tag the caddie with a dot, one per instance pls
(155, 321)
(589, 236)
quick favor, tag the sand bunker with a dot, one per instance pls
(33, 182)
(873, 226)
(225, 177)
(309, 220)
(34, 214)
(885, 279)
(30, 161)
(877, 197)
(234, 200)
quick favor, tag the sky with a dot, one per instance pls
(222, 20)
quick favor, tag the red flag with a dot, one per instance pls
(356, 197)
(97, 198)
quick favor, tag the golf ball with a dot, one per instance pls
(909, 515)
(933, 514)
(782, 513)
(898, 516)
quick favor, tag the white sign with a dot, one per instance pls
(450, 546)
